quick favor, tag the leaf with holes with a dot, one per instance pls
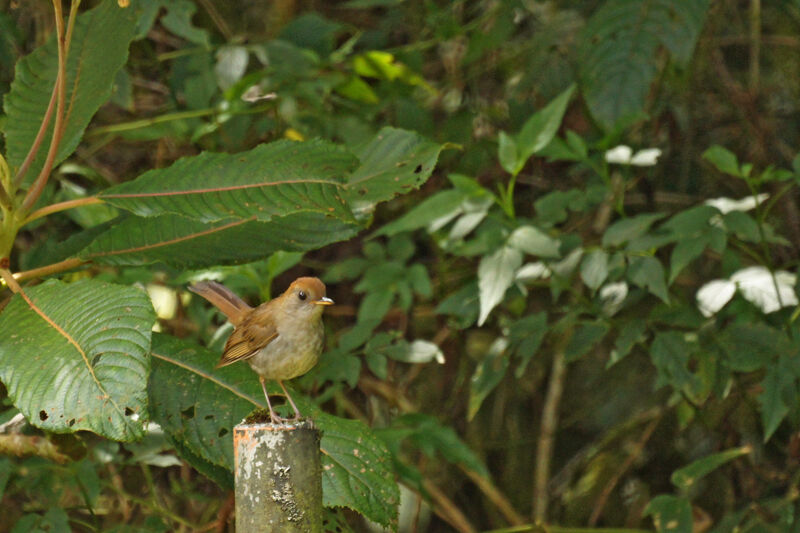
(271, 180)
(182, 242)
(75, 357)
(98, 50)
(201, 412)
(394, 162)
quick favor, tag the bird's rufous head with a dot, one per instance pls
(307, 294)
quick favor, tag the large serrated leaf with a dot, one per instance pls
(99, 48)
(394, 162)
(198, 406)
(182, 242)
(268, 181)
(76, 357)
(617, 49)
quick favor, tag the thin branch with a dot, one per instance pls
(495, 496)
(53, 268)
(547, 432)
(446, 509)
(600, 503)
(219, 21)
(62, 206)
(755, 45)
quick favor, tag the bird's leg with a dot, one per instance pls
(272, 416)
(297, 414)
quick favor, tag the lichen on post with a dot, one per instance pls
(278, 478)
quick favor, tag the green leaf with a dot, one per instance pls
(526, 336)
(670, 355)
(723, 159)
(271, 180)
(627, 229)
(594, 269)
(487, 375)
(99, 48)
(436, 440)
(585, 337)
(617, 49)
(495, 276)
(430, 209)
(394, 162)
(684, 478)
(750, 347)
(507, 153)
(647, 273)
(55, 520)
(178, 20)
(356, 469)
(540, 129)
(630, 333)
(375, 305)
(773, 407)
(686, 251)
(76, 357)
(671, 514)
(199, 405)
(534, 241)
(179, 241)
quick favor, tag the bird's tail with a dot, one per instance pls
(223, 299)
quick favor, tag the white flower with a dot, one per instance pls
(756, 284)
(623, 155)
(726, 205)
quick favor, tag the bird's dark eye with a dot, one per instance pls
(302, 295)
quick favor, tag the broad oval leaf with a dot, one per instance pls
(394, 162)
(75, 357)
(198, 406)
(98, 50)
(182, 242)
(270, 180)
(540, 129)
(617, 49)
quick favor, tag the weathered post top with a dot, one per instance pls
(278, 478)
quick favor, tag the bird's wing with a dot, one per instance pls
(246, 341)
(224, 299)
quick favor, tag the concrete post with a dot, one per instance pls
(278, 478)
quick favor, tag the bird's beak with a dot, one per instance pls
(324, 301)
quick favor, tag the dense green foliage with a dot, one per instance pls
(535, 324)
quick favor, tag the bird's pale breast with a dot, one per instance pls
(292, 353)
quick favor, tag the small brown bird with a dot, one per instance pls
(280, 339)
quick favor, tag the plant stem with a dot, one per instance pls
(180, 115)
(10, 281)
(61, 206)
(66, 264)
(755, 46)
(37, 142)
(58, 129)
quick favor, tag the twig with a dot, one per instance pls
(446, 509)
(755, 45)
(600, 503)
(219, 21)
(10, 281)
(544, 451)
(495, 496)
